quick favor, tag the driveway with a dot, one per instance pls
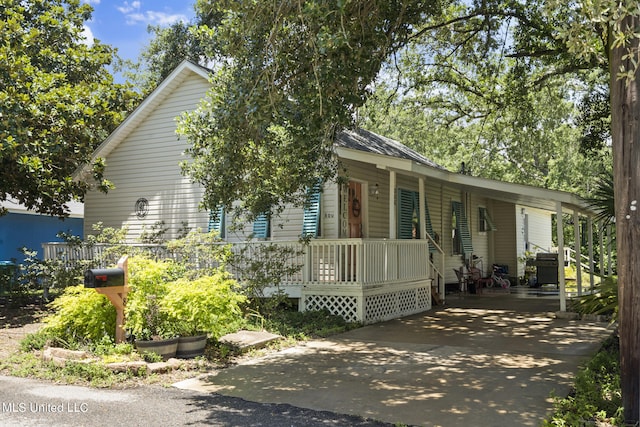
(485, 360)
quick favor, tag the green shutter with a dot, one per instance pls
(463, 228)
(406, 206)
(311, 219)
(216, 221)
(484, 215)
(408, 202)
(261, 227)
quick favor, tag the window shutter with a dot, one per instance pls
(463, 228)
(406, 206)
(484, 216)
(216, 221)
(262, 227)
(311, 219)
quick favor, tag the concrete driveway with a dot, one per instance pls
(485, 360)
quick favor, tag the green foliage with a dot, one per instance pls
(302, 325)
(148, 281)
(201, 254)
(596, 396)
(208, 304)
(291, 77)
(604, 301)
(37, 340)
(81, 315)
(58, 101)
(169, 46)
(59, 272)
(263, 265)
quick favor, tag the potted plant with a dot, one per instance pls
(201, 307)
(156, 335)
(145, 322)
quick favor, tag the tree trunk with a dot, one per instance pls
(625, 131)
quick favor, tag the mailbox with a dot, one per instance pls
(103, 277)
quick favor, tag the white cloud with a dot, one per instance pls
(127, 8)
(88, 35)
(92, 1)
(134, 14)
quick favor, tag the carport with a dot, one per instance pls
(482, 360)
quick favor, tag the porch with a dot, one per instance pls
(362, 280)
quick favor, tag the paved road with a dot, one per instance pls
(25, 402)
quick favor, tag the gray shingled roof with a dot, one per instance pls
(364, 140)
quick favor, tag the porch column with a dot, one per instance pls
(422, 200)
(576, 233)
(559, 232)
(591, 266)
(392, 205)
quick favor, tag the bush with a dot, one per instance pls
(148, 281)
(206, 304)
(80, 315)
(597, 396)
(605, 301)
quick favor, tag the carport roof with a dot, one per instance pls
(385, 153)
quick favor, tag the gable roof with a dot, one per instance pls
(364, 140)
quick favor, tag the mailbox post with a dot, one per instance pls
(112, 283)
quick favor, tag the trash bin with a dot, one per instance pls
(8, 275)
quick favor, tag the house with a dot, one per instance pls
(383, 242)
(22, 228)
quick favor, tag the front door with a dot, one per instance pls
(355, 209)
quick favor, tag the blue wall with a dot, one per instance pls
(31, 231)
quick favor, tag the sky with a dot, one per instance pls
(123, 24)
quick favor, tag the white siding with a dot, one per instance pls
(536, 225)
(146, 165)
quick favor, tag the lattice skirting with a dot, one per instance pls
(371, 306)
(341, 305)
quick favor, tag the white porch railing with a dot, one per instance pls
(344, 262)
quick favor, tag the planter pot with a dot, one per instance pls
(191, 346)
(165, 348)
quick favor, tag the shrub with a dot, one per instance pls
(605, 301)
(80, 315)
(148, 281)
(206, 304)
(597, 396)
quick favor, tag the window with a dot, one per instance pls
(484, 221)
(460, 235)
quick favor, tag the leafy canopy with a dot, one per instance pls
(289, 76)
(57, 102)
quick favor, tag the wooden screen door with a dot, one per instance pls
(355, 209)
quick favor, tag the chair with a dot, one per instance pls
(475, 275)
